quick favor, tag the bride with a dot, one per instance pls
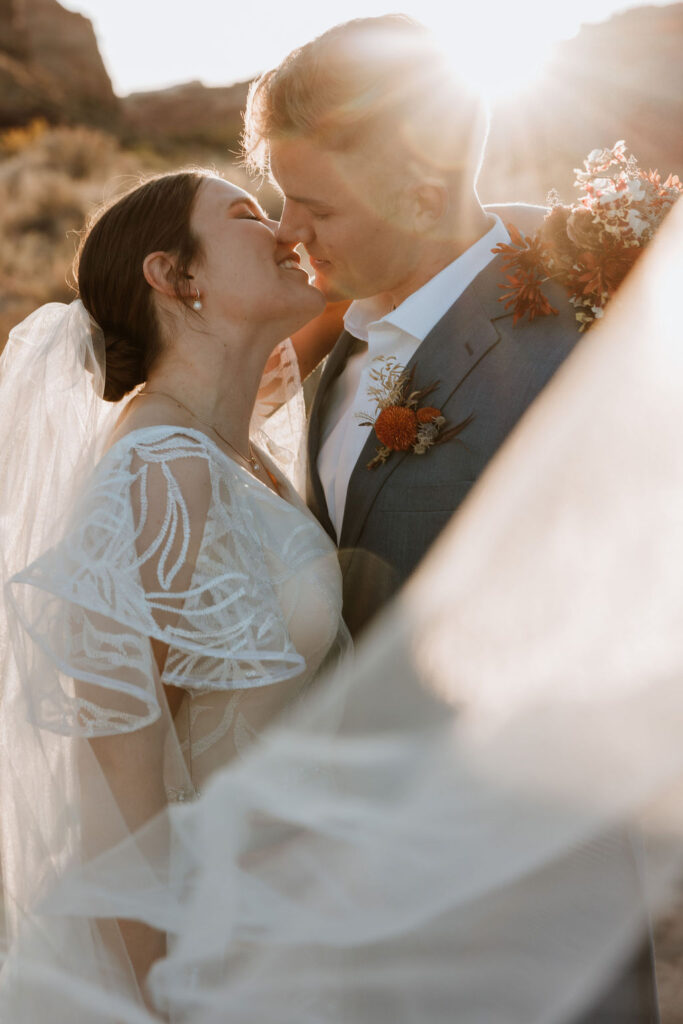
(169, 592)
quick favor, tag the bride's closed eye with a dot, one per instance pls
(245, 212)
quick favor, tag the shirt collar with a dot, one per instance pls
(424, 308)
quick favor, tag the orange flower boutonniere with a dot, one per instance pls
(400, 422)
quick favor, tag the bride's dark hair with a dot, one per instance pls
(155, 215)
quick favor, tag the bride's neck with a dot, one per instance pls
(216, 380)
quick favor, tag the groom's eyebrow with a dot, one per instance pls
(307, 201)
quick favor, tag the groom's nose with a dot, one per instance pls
(295, 224)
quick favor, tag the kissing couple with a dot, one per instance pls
(184, 557)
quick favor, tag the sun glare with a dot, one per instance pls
(500, 63)
(496, 78)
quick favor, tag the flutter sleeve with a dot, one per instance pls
(164, 552)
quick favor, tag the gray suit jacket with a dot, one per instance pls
(485, 367)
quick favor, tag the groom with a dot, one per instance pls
(376, 146)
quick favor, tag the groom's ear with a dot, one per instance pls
(160, 273)
(428, 200)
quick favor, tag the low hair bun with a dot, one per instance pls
(153, 216)
(124, 366)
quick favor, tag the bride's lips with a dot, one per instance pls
(291, 261)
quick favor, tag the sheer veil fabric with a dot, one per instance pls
(438, 831)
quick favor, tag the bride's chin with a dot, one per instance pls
(316, 299)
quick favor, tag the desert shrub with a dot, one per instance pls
(48, 203)
(16, 140)
(78, 152)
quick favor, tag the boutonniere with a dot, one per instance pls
(401, 422)
(590, 246)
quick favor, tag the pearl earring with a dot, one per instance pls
(197, 304)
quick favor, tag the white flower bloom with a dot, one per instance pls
(636, 190)
(637, 224)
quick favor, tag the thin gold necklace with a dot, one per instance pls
(249, 459)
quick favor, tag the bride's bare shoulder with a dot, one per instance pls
(148, 411)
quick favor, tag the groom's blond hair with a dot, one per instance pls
(372, 83)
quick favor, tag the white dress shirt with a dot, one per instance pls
(397, 332)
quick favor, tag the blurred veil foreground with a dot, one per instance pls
(444, 831)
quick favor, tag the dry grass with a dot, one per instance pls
(51, 181)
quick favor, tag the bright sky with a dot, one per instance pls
(148, 45)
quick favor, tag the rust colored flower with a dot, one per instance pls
(525, 254)
(602, 277)
(525, 296)
(427, 414)
(526, 259)
(396, 427)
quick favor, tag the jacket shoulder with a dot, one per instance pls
(526, 217)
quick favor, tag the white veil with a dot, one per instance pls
(75, 660)
(442, 833)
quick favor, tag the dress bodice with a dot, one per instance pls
(282, 549)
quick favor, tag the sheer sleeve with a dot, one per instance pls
(278, 423)
(165, 548)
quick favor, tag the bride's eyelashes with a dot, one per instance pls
(248, 212)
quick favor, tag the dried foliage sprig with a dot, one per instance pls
(590, 246)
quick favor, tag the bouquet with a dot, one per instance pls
(590, 246)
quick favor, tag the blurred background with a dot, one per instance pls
(95, 92)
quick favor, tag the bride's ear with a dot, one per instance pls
(160, 273)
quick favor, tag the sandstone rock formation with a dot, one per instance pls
(50, 66)
(189, 113)
(620, 79)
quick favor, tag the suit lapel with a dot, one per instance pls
(463, 336)
(315, 493)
